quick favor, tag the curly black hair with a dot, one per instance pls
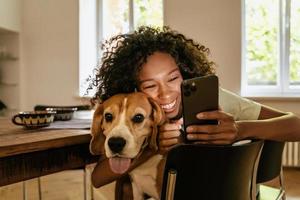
(124, 54)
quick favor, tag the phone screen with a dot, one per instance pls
(199, 94)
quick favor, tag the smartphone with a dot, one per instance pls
(199, 94)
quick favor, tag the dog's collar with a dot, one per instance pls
(144, 145)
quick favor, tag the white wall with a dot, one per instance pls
(50, 45)
(217, 25)
(50, 48)
(10, 14)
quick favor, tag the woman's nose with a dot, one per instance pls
(164, 92)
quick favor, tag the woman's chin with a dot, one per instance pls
(173, 115)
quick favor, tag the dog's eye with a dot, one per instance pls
(138, 118)
(108, 117)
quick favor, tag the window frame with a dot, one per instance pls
(282, 89)
(86, 8)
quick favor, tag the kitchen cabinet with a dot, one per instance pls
(9, 70)
(10, 26)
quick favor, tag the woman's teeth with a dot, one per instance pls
(168, 106)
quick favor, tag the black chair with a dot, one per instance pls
(211, 172)
(269, 168)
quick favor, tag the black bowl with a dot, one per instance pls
(63, 113)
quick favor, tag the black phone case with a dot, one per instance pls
(198, 95)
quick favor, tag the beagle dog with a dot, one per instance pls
(123, 127)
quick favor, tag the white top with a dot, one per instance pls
(241, 108)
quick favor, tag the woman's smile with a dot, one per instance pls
(169, 107)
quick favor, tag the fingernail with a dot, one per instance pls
(180, 120)
(189, 129)
(189, 136)
(200, 115)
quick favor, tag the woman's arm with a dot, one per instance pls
(103, 175)
(272, 125)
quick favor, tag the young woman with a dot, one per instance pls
(156, 61)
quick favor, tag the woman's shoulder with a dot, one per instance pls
(226, 95)
(239, 107)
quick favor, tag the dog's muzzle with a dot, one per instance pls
(116, 144)
(118, 165)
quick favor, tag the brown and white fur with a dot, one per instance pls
(122, 128)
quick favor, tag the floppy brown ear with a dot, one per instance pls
(98, 139)
(158, 119)
(157, 112)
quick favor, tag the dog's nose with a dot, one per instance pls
(116, 144)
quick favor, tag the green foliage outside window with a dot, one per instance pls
(295, 43)
(262, 45)
(148, 12)
(262, 42)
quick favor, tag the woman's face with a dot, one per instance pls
(160, 78)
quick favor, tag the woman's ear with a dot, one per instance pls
(98, 138)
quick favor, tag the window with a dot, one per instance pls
(271, 48)
(111, 18)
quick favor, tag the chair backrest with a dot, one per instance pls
(211, 172)
(270, 161)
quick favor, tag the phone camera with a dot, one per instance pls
(187, 93)
(193, 87)
(186, 86)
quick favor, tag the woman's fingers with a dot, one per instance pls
(224, 132)
(169, 127)
(212, 129)
(226, 136)
(169, 142)
(166, 144)
(169, 135)
(217, 115)
(216, 142)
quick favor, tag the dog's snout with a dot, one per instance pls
(116, 144)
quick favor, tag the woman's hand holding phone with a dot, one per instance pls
(225, 132)
(204, 121)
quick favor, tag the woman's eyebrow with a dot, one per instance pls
(142, 81)
(150, 79)
(174, 70)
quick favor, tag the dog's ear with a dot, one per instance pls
(158, 119)
(157, 112)
(98, 139)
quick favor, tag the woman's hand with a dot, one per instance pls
(169, 135)
(225, 132)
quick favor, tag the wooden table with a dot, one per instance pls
(26, 154)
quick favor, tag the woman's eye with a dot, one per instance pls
(108, 117)
(149, 86)
(174, 78)
(138, 118)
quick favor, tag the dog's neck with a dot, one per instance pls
(143, 147)
(145, 143)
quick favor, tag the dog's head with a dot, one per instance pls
(122, 126)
